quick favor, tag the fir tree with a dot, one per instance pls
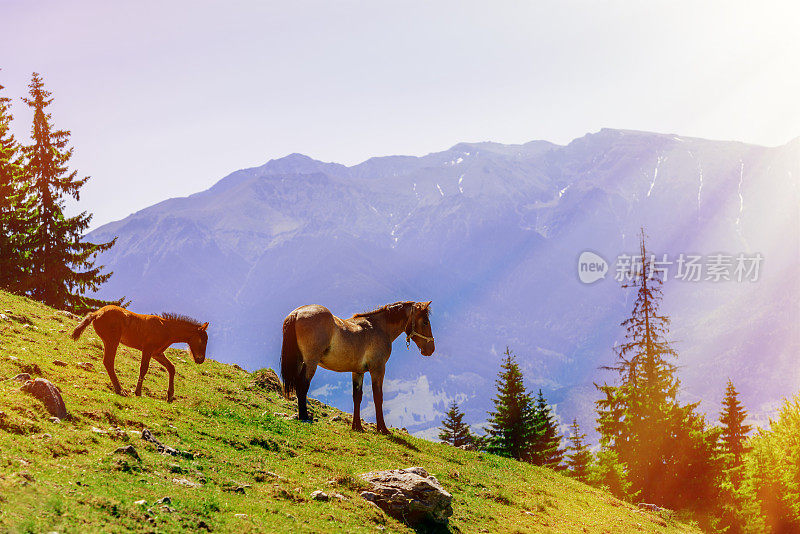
(62, 265)
(609, 473)
(513, 426)
(579, 457)
(15, 205)
(454, 430)
(734, 431)
(547, 450)
(668, 456)
(733, 435)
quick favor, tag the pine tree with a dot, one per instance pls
(454, 430)
(609, 473)
(62, 265)
(579, 457)
(15, 205)
(733, 436)
(734, 431)
(547, 450)
(513, 426)
(667, 453)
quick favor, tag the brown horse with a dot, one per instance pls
(313, 336)
(151, 334)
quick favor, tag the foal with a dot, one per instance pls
(313, 336)
(151, 334)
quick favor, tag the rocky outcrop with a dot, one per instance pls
(268, 380)
(45, 391)
(410, 495)
(148, 436)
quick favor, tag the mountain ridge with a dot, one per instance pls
(492, 238)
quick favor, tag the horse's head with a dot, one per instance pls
(419, 328)
(197, 343)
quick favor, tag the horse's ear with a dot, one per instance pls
(204, 326)
(427, 305)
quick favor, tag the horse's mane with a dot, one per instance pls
(185, 319)
(388, 307)
(383, 309)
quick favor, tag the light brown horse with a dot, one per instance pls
(151, 334)
(313, 336)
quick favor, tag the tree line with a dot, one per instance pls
(42, 251)
(653, 448)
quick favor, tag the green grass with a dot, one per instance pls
(66, 477)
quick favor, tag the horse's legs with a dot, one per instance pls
(160, 358)
(306, 374)
(110, 345)
(358, 384)
(146, 354)
(377, 393)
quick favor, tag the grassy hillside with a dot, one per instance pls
(252, 469)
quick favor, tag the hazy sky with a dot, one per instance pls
(164, 98)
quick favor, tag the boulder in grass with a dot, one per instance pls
(130, 450)
(410, 495)
(45, 391)
(268, 380)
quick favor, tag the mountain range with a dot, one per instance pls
(491, 233)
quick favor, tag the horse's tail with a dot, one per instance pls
(291, 359)
(89, 319)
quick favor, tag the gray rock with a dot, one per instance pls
(147, 435)
(186, 482)
(130, 450)
(22, 377)
(59, 363)
(267, 380)
(140, 503)
(55, 420)
(319, 495)
(410, 495)
(45, 391)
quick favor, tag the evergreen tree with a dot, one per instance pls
(579, 457)
(62, 265)
(733, 436)
(668, 456)
(15, 205)
(734, 431)
(547, 450)
(454, 430)
(768, 500)
(513, 425)
(609, 473)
